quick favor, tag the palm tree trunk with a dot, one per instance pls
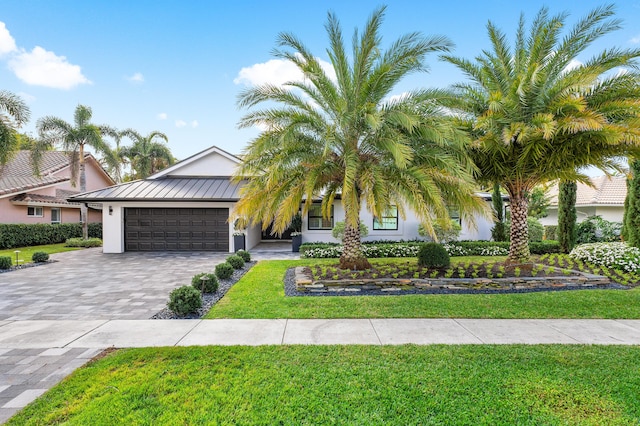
(519, 232)
(352, 257)
(83, 188)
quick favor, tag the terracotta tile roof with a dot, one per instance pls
(60, 198)
(17, 174)
(606, 190)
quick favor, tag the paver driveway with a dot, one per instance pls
(87, 284)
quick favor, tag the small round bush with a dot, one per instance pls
(5, 262)
(40, 257)
(433, 255)
(224, 271)
(184, 300)
(245, 255)
(235, 261)
(210, 286)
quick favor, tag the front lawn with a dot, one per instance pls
(356, 385)
(26, 252)
(260, 294)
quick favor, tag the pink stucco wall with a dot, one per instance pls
(96, 179)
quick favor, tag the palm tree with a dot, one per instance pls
(14, 112)
(148, 154)
(535, 114)
(345, 137)
(114, 159)
(73, 138)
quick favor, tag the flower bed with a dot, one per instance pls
(609, 255)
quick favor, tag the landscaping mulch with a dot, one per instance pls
(208, 299)
(26, 265)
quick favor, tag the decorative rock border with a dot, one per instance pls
(304, 283)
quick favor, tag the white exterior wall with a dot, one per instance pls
(213, 164)
(253, 237)
(113, 224)
(610, 213)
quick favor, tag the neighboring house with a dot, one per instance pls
(26, 198)
(187, 207)
(604, 199)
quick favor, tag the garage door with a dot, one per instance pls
(167, 229)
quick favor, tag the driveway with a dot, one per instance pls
(87, 284)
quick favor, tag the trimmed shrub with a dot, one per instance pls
(544, 247)
(550, 232)
(79, 242)
(224, 271)
(235, 261)
(211, 285)
(184, 300)
(40, 257)
(27, 235)
(5, 262)
(245, 255)
(433, 255)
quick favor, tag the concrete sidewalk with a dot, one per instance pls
(148, 333)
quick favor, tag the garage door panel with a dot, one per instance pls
(165, 229)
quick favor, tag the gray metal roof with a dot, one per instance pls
(167, 189)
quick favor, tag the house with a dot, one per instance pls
(187, 207)
(604, 199)
(26, 198)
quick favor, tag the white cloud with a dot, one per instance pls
(180, 123)
(276, 72)
(573, 64)
(7, 42)
(27, 97)
(194, 123)
(43, 68)
(396, 98)
(136, 78)
(162, 116)
(635, 40)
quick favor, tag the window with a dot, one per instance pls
(454, 214)
(35, 211)
(55, 215)
(316, 221)
(388, 221)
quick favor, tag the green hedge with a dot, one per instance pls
(23, 235)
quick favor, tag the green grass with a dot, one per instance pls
(355, 385)
(260, 294)
(26, 252)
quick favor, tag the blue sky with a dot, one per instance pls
(178, 66)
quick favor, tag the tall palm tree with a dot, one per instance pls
(14, 112)
(148, 154)
(535, 114)
(345, 137)
(114, 159)
(72, 138)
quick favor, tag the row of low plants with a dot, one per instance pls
(25, 235)
(376, 249)
(188, 298)
(38, 257)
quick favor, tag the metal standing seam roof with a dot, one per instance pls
(167, 189)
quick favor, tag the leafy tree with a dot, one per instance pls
(498, 232)
(73, 138)
(566, 231)
(346, 136)
(535, 114)
(14, 112)
(148, 154)
(539, 203)
(632, 211)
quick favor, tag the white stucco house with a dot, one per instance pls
(187, 206)
(605, 199)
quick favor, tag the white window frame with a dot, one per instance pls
(59, 210)
(32, 211)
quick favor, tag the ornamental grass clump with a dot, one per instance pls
(609, 255)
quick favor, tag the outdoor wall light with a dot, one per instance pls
(110, 210)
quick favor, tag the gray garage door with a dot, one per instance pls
(167, 229)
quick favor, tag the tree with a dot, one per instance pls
(536, 114)
(72, 138)
(632, 204)
(148, 154)
(498, 232)
(345, 137)
(566, 231)
(14, 112)
(539, 203)
(114, 159)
